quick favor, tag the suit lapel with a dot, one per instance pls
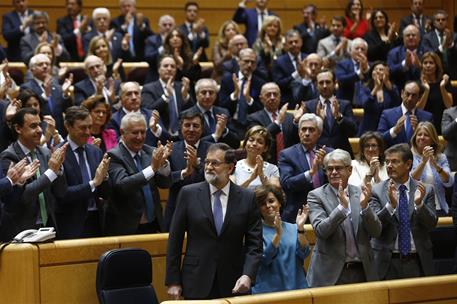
(204, 198)
(354, 200)
(70, 155)
(412, 191)
(330, 197)
(302, 160)
(128, 158)
(232, 204)
(91, 160)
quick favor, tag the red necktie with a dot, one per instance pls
(279, 139)
(79, 42)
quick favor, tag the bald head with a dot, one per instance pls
(236, 44)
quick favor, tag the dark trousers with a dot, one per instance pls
(352, 272)
(403, 268)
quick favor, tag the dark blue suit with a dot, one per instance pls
(152, 55)
(197, 42)
(373, 109)
(248, 17)
(338, 136)
(282, 70)
(71, 209)
(398, 75)
(231, 66)
(177, 164)
(59, 103)
(349, 82)
(389, 118)
(5, 188)
(11, 32)
(311, 39)
(84, 89)
(301, 92)
(292, 165)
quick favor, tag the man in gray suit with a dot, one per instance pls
(406, 209)
(343, 223)
(449, 130)
(335, 47)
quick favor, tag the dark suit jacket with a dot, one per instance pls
(377, 48)
(178, 163)
(449, 129)
(338, 136)
(288, 128)
(407, 20)
(310, 39)
(152, 55)
(71, 209)
(127, 203)
(282, 70)
(151, 98)
(197, 42)
(389, 118)
(422, 221)
(29, 43)
(398, 75)
(349, 82)
(84, 89)
(248, 17)
(139, 35)
(231, 66)
(230, 137)
(59, 103)
(65, 30)
(292, 165)
(21, 210)
(235, 252)
(11, 32)
(301, 92)
(151, 139)
(5, 188)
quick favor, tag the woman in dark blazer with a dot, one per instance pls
(382, 36)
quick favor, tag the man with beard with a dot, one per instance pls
(223, 224)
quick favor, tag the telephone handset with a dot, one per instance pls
(35, 236)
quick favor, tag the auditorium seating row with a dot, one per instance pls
(64, 272)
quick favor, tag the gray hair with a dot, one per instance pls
(131, 1)
(314, 118)
(34, 59)
(40, 14)
(292, 32)
(130, 118)
(100, 11)
(338, 155)
(164, 17)
(200, 83)
(246, 51)
(357, 41)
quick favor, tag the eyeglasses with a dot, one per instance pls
(336, 168)
(371, 146)
(213, 163)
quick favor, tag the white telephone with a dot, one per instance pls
(35, 236)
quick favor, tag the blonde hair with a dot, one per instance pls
(431, 130)
(93, 45)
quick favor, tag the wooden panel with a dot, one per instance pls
(373, 293)
(19, 274)
(73, 283)
(303, 296)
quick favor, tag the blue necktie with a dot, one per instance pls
(217, 211)
(173, 115)
(211, 121)
(84, 172)
(404, 233)
(328, 115)
(146, 192)
(242, 105)
(408, 127)
(130, 30)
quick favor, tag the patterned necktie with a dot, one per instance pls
(146, 192)
(217, 211)
(315, 177)
(408, 127)
(404, 233)
(328, 115)
(41, 199)
(211, 121)
(279, 138)
(84, 172)
(242, 105)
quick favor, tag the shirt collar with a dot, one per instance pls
(72, 144)
(404, 109)
(127, 112)
(196, 144)
(203, 110)
(225, 189)
(132, 154)
(405, 184)
(24, 148)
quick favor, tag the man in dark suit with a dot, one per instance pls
(131, 102)
(167, 95)
(406, 209)
(136, 170)
(154, 46)
(351, 73)
(15, 25)
(417, 18)
(305, 88)
(40, 32)
(54, 99)
(72, 27)
(344, 223)
(187, 159)
(397, 125)
(223, 224)
(80, 211)
(252, 18)
(195, 30)
(405, 60)
(287, 67)
(35, 206)
(96, 82)
(300, 165)
(310, 30)
(449, 129)
(282, 126)
(101, 18)
(240, 92)
(136, 25)
(217, 126)
(339, 122)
